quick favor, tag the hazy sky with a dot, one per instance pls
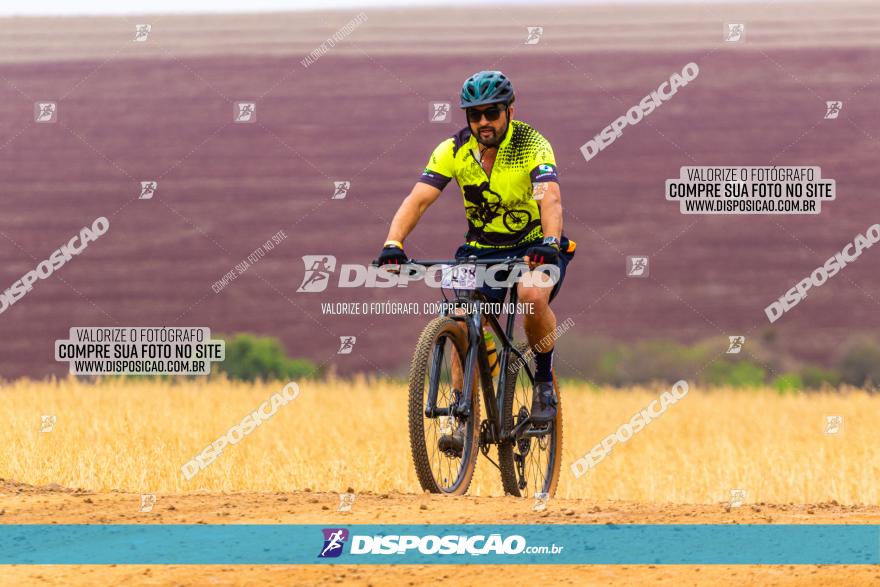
(58, 7)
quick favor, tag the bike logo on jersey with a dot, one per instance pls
(318, 270)
(483, 206)
(334, 540)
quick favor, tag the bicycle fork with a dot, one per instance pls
(461, 408)
(472, 362)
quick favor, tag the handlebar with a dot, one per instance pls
(462, 261)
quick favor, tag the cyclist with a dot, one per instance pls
(496, 156)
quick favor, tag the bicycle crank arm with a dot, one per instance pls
(523, 430)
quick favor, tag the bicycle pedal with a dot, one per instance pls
(537, 430)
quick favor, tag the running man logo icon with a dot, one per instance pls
(440, 111)
(736, 344)
(735, 32)
(47, 423)
(141, 32)
(340, 189)
(346, 500)
(346, 345)
(45, 112)
(541, 499)
(737, 498)
(334, 540)
(148, 189)
(534, 35)
(833, 424)
(245, 112)
(637, 266)
(318, 270)
(832, 109)
(447, 423)
(148, 500)
(539, 189)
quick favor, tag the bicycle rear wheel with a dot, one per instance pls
(529, 465)
(438, 362)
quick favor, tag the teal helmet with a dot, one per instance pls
(486, 87)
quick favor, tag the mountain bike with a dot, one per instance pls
(449, 369)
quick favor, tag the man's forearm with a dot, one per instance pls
(410, 210)
(551, 213)
(405, 220)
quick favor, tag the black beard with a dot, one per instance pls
(493, 142)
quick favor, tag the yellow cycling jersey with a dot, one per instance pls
(500, 208)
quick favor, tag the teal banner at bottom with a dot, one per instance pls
(550, 544)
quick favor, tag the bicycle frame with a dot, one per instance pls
(477, 357)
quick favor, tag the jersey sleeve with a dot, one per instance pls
(543, 167)
(439, 169)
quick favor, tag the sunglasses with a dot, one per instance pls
(492, 114)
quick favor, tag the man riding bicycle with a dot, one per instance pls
(507, 174)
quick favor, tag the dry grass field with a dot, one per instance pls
(113, 441)
(135, 435)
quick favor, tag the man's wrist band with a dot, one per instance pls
(397, 244)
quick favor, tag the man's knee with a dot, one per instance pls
(539, 297)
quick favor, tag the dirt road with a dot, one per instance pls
(23, 504)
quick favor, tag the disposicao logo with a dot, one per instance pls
(334, 540)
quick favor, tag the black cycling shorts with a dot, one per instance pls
(497, 294)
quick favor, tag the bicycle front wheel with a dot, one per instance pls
(529, 464)
(444, 444)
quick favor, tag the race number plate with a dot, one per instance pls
(459, 277)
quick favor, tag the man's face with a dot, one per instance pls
(489, 132)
